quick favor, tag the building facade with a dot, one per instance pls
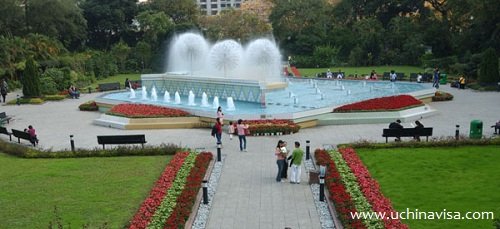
(213, 7)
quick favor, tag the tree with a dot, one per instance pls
(12, 19)
(235, 24)
(31, 79)
(108, 21)
(181, 11)
(143, 51)
(59, 19)
(154, 26)
(120, 51)
(261, 8)
(488, 70)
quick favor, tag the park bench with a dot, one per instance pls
(407, 132)
(3, 130)
(109, 86)
(121, 139)
(22, 135)
(4, 118)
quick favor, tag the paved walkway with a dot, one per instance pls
(247, 195)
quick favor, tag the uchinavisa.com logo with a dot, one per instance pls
(415, 214)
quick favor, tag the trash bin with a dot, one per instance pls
(443, 79)
(476, 129)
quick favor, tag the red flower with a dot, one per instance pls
(145, 111)
(370, 188)
(381, 104)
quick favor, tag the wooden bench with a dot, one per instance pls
(4, 117)
(407, 132)
(3, 130)
(121, 139)
(109, 86)
(24, 135)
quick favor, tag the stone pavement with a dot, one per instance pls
(247, 195)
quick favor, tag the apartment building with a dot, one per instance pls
(213, 7)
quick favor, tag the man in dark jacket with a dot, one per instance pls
(396, 125)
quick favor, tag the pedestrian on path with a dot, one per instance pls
(4, 88)
(231, 129)
(218, 131)
(220, 115)
(241, 129)
(284, 150)
(280, 159)
(297, 155)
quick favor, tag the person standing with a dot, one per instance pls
(4, 88)
(241, 129)
(297, 156)
(393, 76)
(220, 115)
(284, 151)
(280, 160)
(436, 78)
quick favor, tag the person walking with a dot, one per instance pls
(436, 78)
(218, 131)
(231, 130)
(4, 88)
(241, 129)
(297, 156)
(280, 160)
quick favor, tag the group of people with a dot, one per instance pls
(329, 74)
(397, 125)
(240, 128)
(282, 158)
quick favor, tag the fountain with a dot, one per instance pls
(215, 103)
(144, 93)
(230, 104)
(251, 75)
(177, 98)
(204, 100)
(154, 96)
(166, 97)
(191, 99)
(132, 94)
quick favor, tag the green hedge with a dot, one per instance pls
(54, 97)
(435, 142)
(30, 152)
(26, 101)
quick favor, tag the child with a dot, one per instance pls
(231, 130)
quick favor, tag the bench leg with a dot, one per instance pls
(386, 140)
(103, 147)
(19, 140)
(10, 137)
(142, 146)
(426, 138)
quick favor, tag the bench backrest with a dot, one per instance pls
(3, 115)
(407, 132)
(3, 130)
(122, 139)
(109, 86)
(21, 134)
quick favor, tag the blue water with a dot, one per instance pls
(279, 102)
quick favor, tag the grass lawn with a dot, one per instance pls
(85, 190)
(116, 78)
(459, 179)
(364, 70)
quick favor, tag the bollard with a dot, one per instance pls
(90, 90)
(18, 100)
(72, 142)
(321, 188)
(308, 148)
(219, 157)
(205, 192)
(457, 132)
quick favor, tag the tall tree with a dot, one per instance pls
(31, 79)
(59, 19)
(154, 26)
(12, 19)
(108, 21)
(181, 11)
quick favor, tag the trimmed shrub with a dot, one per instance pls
(488, 70)
(31, 79)
(88, 106)
(48, 86)
(442, 96)
(54, 97)
(26, 101)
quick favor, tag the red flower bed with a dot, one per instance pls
(381, 104)
(370, 188)
(145, 111)
(186, 200)
(272, 126)
(343, 201)
(149, 206)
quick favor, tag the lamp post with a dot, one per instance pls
(322, 188)
(219, 152)
(72, 142)
(18, 100)
(308, 149)
(205, 191)
(457, 132)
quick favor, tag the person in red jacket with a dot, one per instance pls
(218, 131)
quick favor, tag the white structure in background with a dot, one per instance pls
(214, 7)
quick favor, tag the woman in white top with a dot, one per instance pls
(220, 115)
